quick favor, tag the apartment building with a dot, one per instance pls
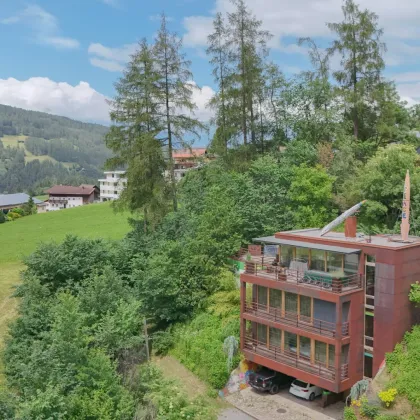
(326, 308)
(112, 185)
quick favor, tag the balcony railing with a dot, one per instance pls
(313, 325)
(291, 359)
(267, 268)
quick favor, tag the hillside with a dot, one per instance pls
(21, 237)
(39, 149)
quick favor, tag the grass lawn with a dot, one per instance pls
(21, 237)
(42, 197)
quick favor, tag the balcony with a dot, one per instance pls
(291, 359)
(312, 325)
(295, 271)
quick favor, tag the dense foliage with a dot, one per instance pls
(402, 365)
(59, 138)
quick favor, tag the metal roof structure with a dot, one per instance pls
(17, 199)
(276, 241)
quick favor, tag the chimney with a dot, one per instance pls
(350, 227)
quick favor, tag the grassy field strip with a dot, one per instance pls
(21, 237)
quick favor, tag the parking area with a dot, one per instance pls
(283, 406)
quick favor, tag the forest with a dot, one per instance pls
(289, 153)
(51, 141)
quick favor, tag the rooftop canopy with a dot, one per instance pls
(272, 240)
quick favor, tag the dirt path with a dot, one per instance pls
(172, 368)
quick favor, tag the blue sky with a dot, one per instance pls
(63, 57)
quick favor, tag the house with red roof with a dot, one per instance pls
(66, 196)
(187, 159)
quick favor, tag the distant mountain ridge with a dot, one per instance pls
(38, 149)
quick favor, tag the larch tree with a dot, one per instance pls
(133, 137)
(175, 87)
(361, 49)
(219, 58)
(247, 44)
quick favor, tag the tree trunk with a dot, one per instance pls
(222, 88)
(244, 128)
(170, 148)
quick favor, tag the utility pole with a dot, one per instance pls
(146, 339)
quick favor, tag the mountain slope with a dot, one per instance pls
(39, 149)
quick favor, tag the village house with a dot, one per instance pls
(65, 196)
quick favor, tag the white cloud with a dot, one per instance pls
(201, 98)
(80, 102)
(198, 29)
(300, 18)
(111, 59)
(108, 65)
(44, 26)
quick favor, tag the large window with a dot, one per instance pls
(286, 254)
(305, 306)
(331, 355)
(290, 342)
(317, 260)
(302, 254)
(334, 262)
(275, 337)
(305, 347)
(351, 263)
(262, 333)
(290, 302)
(320, 352)
(262, 296)
(275, 298)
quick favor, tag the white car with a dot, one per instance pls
(305, 390)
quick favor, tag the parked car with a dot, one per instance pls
(269, 380)
(305, 390)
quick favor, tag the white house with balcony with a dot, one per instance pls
(112, 185)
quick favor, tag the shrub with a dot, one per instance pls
(2, 217)
(207, 331)
(349, 414)
(163, 341)
(367, 410)
(415, 293)
(18, 210)
(13, 216)
(388, 397)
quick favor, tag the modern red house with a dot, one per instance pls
(326, 309)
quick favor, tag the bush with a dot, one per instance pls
(368, 410)
(13, 216)
(163, 341)
(208, 331)
(388, 397)
(18, 210)
(402, 364)
(2, 217)
(349, 414)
